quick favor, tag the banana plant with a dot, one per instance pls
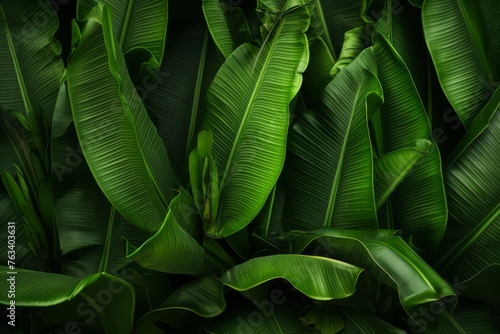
(267, 166)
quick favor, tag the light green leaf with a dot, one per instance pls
(247, 113)
(317, 277)
(122, 147)
(171, 249)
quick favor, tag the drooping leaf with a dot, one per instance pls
(124, 152)
(247, 114)
(329, 162)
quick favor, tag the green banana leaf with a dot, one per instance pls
(395, 18)
(329, 160)
(480, 123)
(31, 63)
(176, 95)
(36, 289)
(247, 113)
(227, 25)
(122, 147)
(89, 228)
(203, 297)
(317, 277)
(137, 24)
(402, 121)
(464, 34)
(171, 249)
(387, 257)
(473, 193)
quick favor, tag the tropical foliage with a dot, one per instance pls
(234, 166)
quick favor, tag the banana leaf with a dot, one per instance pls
(473, 194)
(30, 57)
(171, 249)
(467, 37)
(247, 113)
(38, 289)
(329, 165)
(122, 147)
(400, 123)
(89, 228)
